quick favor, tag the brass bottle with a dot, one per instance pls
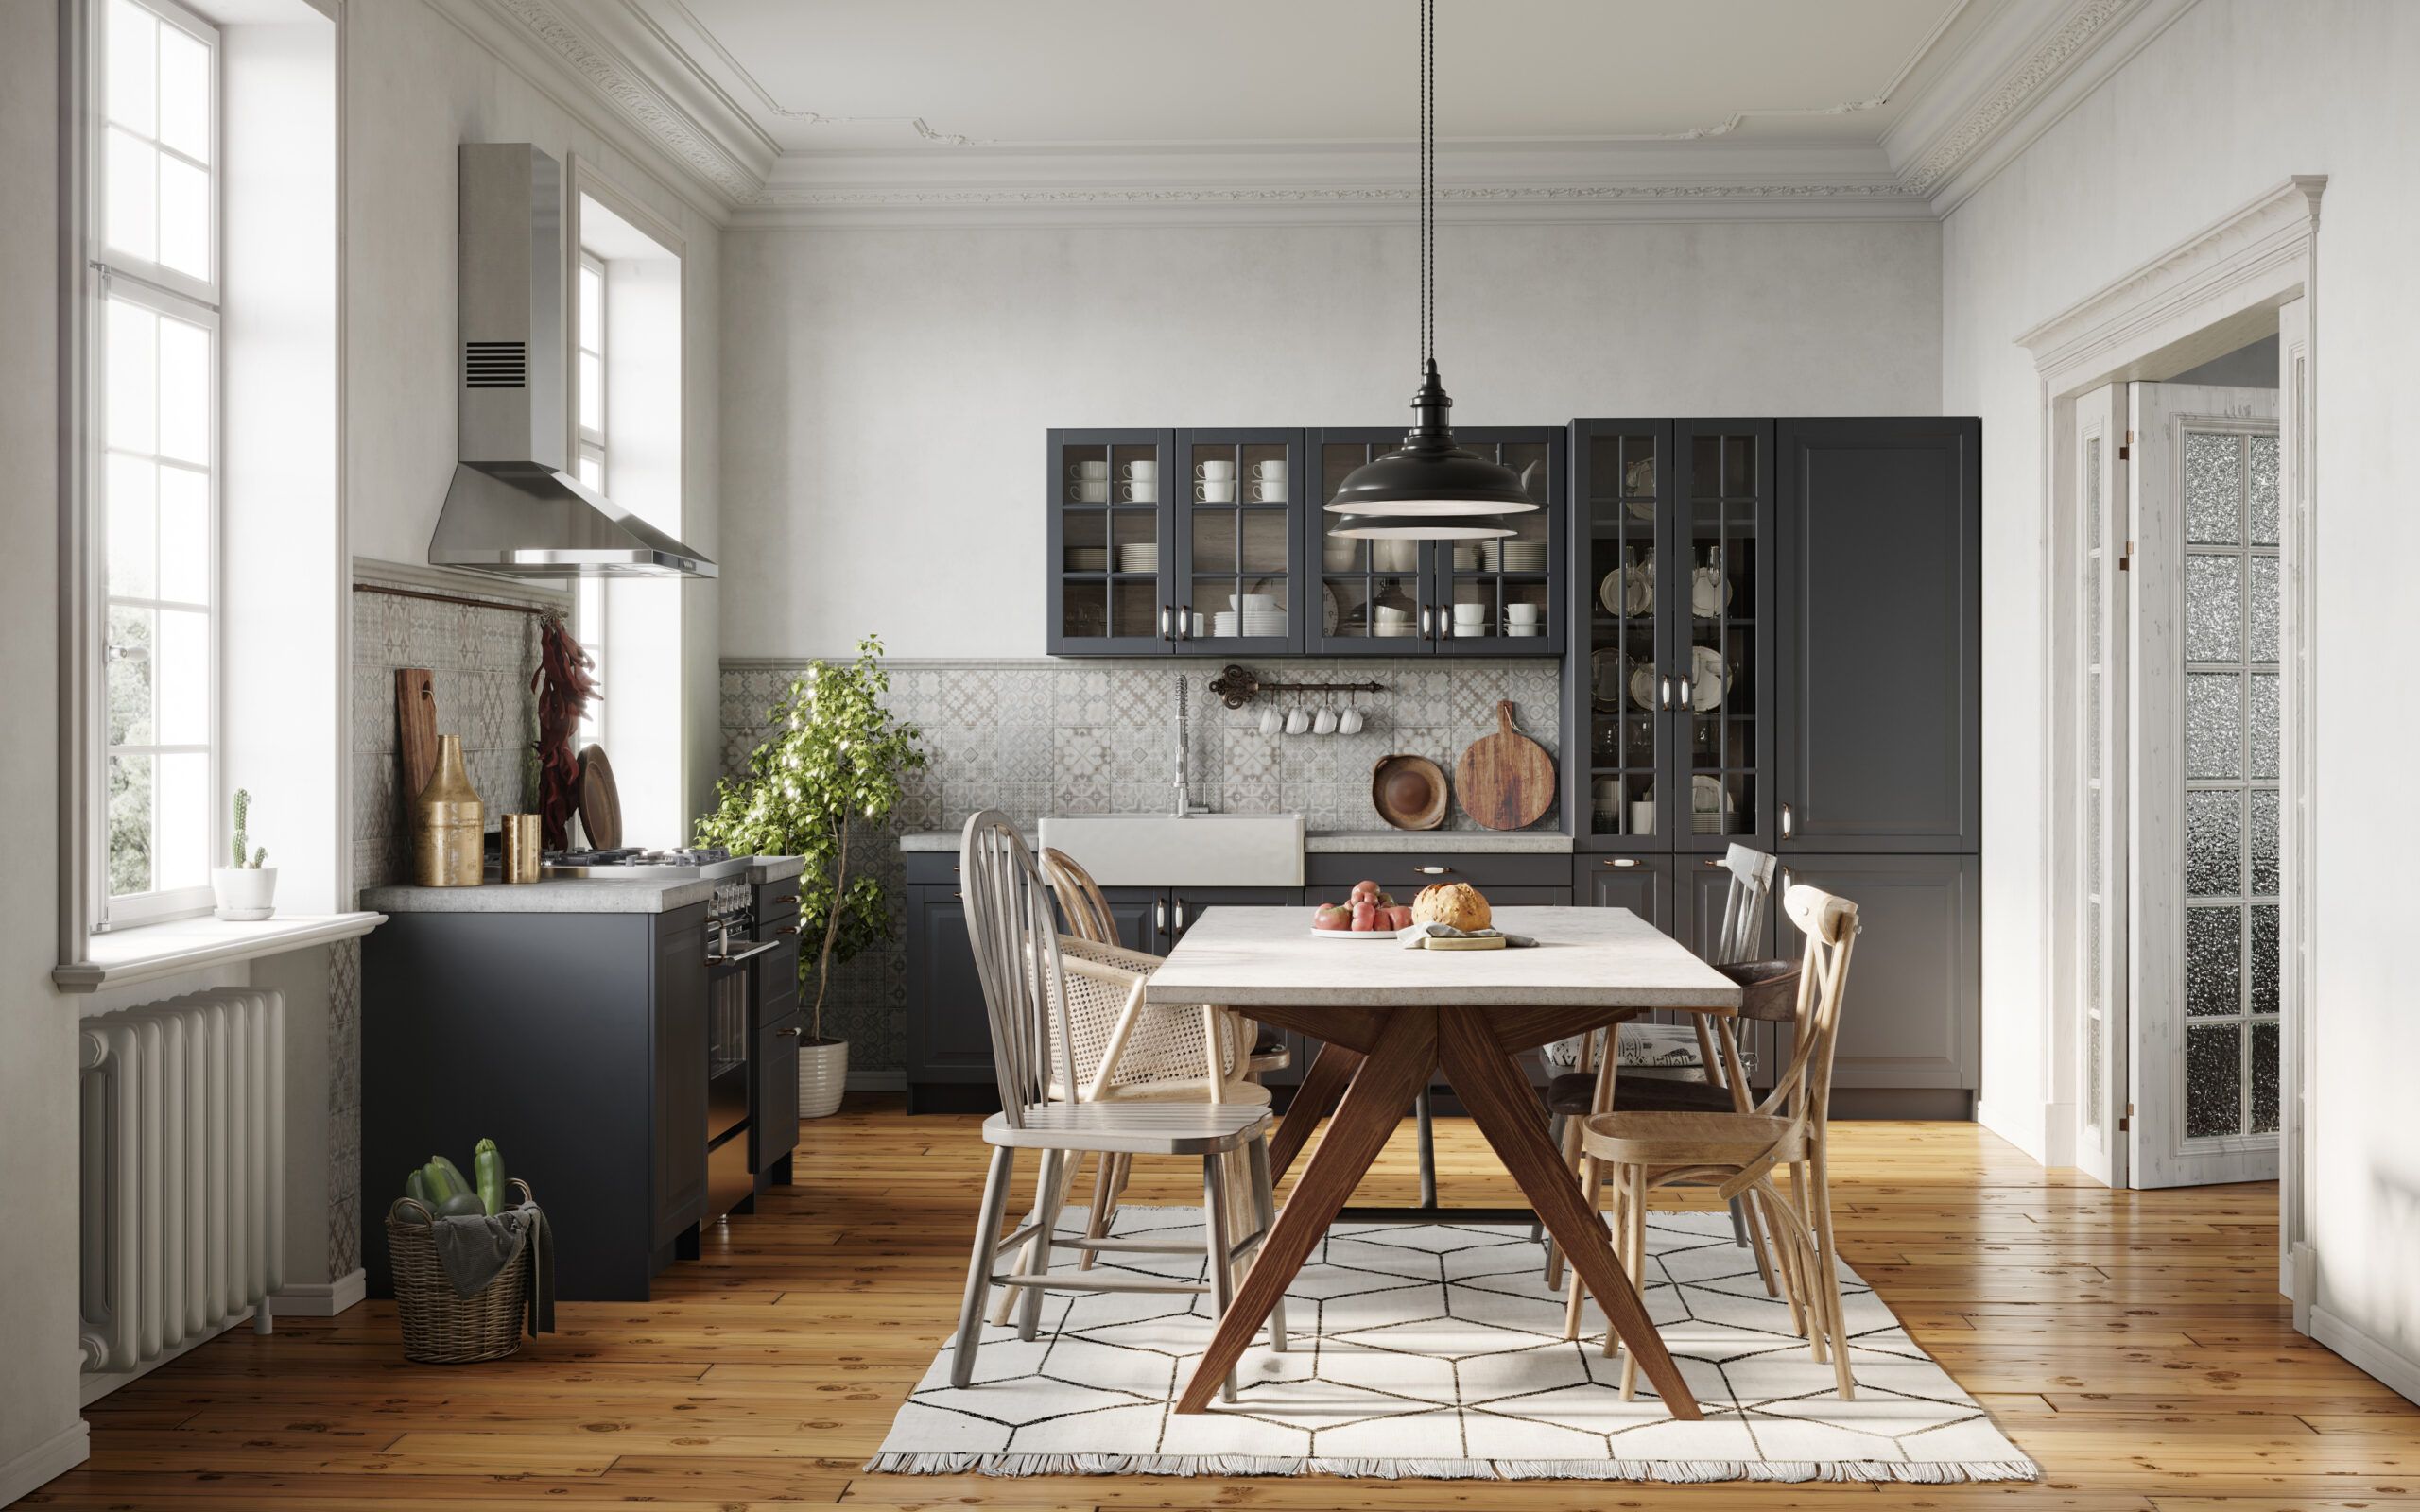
(448, 823)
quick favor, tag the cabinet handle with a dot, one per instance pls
(786, 929)
(786, 1034)
(959, 896)
(1667, 694)
(1686, 702)
(1789, 821)
(793, 896)
(1168, 617)
(1424, 624)
(1711, 861)
(1160, 916)
(1432, 871)
(1626, 860)
(1179, 916)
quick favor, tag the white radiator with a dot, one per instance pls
(183, 1170)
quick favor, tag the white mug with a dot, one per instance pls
(1297, 722)
(1094, 467)
(1219, 469)
(1143, 470)
(1470, 612)
(1324, 722)
(1268, 490)
(1642, 818)
(1349, 723)
(1520, 614)
(1216, 490)
(1140, 490)
(1090, 491)
(1269, 723)
(1271, 470)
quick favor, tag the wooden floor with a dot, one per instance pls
(2133, 1343)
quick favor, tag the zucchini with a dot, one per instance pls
(438, 1176)
(461, 1205)
(454, 1171)
(416, 1188)
(489, 1162)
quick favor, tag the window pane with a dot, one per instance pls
(128, 507)
(184, 392)
(128, 653)
(591, 471)
(130, 192)
(129, 862)
(131, 375)
(185, 536)
(180, 677)
(185, 217)
(129, 91)
(592, 393)
(181, 857)
(592, 310)
(184, 93)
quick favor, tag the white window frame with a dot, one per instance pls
(591, 443)
(112, 274)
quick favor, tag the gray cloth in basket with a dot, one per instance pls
(473, 1250)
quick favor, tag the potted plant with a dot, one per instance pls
(834, 765)
(244, 891)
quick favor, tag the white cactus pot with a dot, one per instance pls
(823, 1076)
(244, 893)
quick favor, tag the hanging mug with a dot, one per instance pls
(1324, 722)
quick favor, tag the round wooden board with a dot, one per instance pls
(1408, 792)
(600, 801)
(1505, 780)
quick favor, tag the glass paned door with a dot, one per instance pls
(1710, 582)
(1619, 468)
(1238, 494)
(1498, 596)
(1372, 596)
(2204, 998)
(2101, 598)
(1108, 525)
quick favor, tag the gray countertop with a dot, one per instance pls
(775, 869)
(553, 895)
(1427, 842)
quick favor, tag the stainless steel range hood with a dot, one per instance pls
(513, 508)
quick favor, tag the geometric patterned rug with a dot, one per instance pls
(1436, 1350)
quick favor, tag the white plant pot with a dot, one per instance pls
(244, 893)
(823, 1076)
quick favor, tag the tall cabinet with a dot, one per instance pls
(1774, 635)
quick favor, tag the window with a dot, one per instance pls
(152, 449)
(589, 360)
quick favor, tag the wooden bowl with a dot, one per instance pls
(1408, 792)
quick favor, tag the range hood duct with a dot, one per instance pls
(513, 508)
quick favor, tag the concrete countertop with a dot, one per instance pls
(763, 869)
(552, 895)
(1440, 842)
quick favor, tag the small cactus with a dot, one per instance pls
(243, 807)
(258, 856)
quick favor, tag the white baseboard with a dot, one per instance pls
(2022, 1124)
(45, 1462)
(321, 1299)
(2394, 1369)
(2059, 1134)
(877, 1081)
(95, 1384)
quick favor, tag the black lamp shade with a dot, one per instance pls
(1420, 527)
(1429, 481)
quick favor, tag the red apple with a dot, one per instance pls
(1332, 916)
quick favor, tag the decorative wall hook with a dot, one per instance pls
(1237, 686)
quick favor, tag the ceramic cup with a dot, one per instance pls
(1097, 468)
(1349, 722)
(1140, 490)
(1340, 553)
(1269, 480)
(1297, 723)
(1642, 818)
(1215, 469)
(1143, 470)
(1216, 490)
(1518, 614)
(1089, 490)
(1270, 722)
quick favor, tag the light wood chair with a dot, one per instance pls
(1741, 1152)
(1590, 1090)
(1031, 974)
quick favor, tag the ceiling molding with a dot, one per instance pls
(1951, 136)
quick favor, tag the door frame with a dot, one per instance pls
(2252, 272)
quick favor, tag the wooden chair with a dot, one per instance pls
(1031, 974)
(1578, 1095)
(1741, 1152)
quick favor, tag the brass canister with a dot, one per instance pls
(448, 823)
(521, 853)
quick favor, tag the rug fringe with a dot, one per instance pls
(1927, 1473)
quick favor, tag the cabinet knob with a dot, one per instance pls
(1432, 871)
(786, 1034)
(786, 929)
(1622, 861)
(1711, 861)
(793, 896)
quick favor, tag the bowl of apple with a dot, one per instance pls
(1369, 914)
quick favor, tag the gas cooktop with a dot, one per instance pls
(643, 866)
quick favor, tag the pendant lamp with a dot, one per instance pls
(1428, 489)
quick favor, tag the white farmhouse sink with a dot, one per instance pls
(1198, 851)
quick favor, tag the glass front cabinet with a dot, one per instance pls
(1672, 601)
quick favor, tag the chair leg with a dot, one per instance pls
(1218, 1234)
(1264, 1207)
(978, 1270)
(1635, 1260)
(1425, 1126)
(1827, 1276)
(1572, 1130)
(1810, 1287)
(1104, 1192)
(1006, 1302)
(1554, 1133)
(1739, 1225)
(1055, 1170)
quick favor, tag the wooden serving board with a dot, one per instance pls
(1505, 780)
(416, 733)
(600, 801)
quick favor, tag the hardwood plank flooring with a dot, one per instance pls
(2133, 1343)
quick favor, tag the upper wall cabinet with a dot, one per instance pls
(1880, 617)
(1109, 529)
(1452, 598)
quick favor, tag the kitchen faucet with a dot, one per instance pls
(1182, 805)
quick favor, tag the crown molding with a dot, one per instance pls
(2024, 70)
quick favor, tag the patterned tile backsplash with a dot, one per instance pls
(479, 662)
(1035, 737)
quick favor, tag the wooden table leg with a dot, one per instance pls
(1398, 1066)
(1330, 1071)
(1500, 1100)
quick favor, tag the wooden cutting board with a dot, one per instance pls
(600, 801)
(416, 721)
(1506, 780)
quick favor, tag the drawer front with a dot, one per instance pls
(775, 903)
(1397, 871)
(932, 868)
(772, 1130)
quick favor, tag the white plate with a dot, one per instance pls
(1642, 687)
(1709, 590)
(1088, 559)
(1709, 679)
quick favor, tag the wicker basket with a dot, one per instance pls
(440, 1327)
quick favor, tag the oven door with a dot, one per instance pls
(730, 983)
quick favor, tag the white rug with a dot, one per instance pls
(1436, 1350)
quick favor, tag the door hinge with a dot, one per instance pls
(2126, 558)
(2126, 1120)
(2126, 447)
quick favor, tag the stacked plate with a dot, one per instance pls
(1142, 558)
(1228, 624)
(1512, 555)
(1088, 559)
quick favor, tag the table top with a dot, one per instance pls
(1585, 957)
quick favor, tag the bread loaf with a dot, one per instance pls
(1457, 904)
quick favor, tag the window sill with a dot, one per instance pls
(127, 955)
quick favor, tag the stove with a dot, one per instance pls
(645, 865)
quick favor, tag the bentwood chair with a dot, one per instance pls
(1768, 992)
(1031, 974)
(1741, 1153)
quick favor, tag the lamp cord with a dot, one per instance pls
(1427, 182)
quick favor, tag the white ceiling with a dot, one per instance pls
(930, 75)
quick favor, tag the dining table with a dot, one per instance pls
(1389, 1019)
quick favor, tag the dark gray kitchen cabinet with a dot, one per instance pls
(1879, 712)
(1110, 528)
(1912, 1016)
(1643, 884)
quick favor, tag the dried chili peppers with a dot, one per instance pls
(565, 688)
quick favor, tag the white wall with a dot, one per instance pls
(417, 87)
(886, 391)
(2219, 108)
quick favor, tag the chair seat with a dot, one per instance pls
(1574, 1092)
(1172, 1091)
(1264, 1061)
(1768, 989)
(1132, 1128)
(1674, 1138)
